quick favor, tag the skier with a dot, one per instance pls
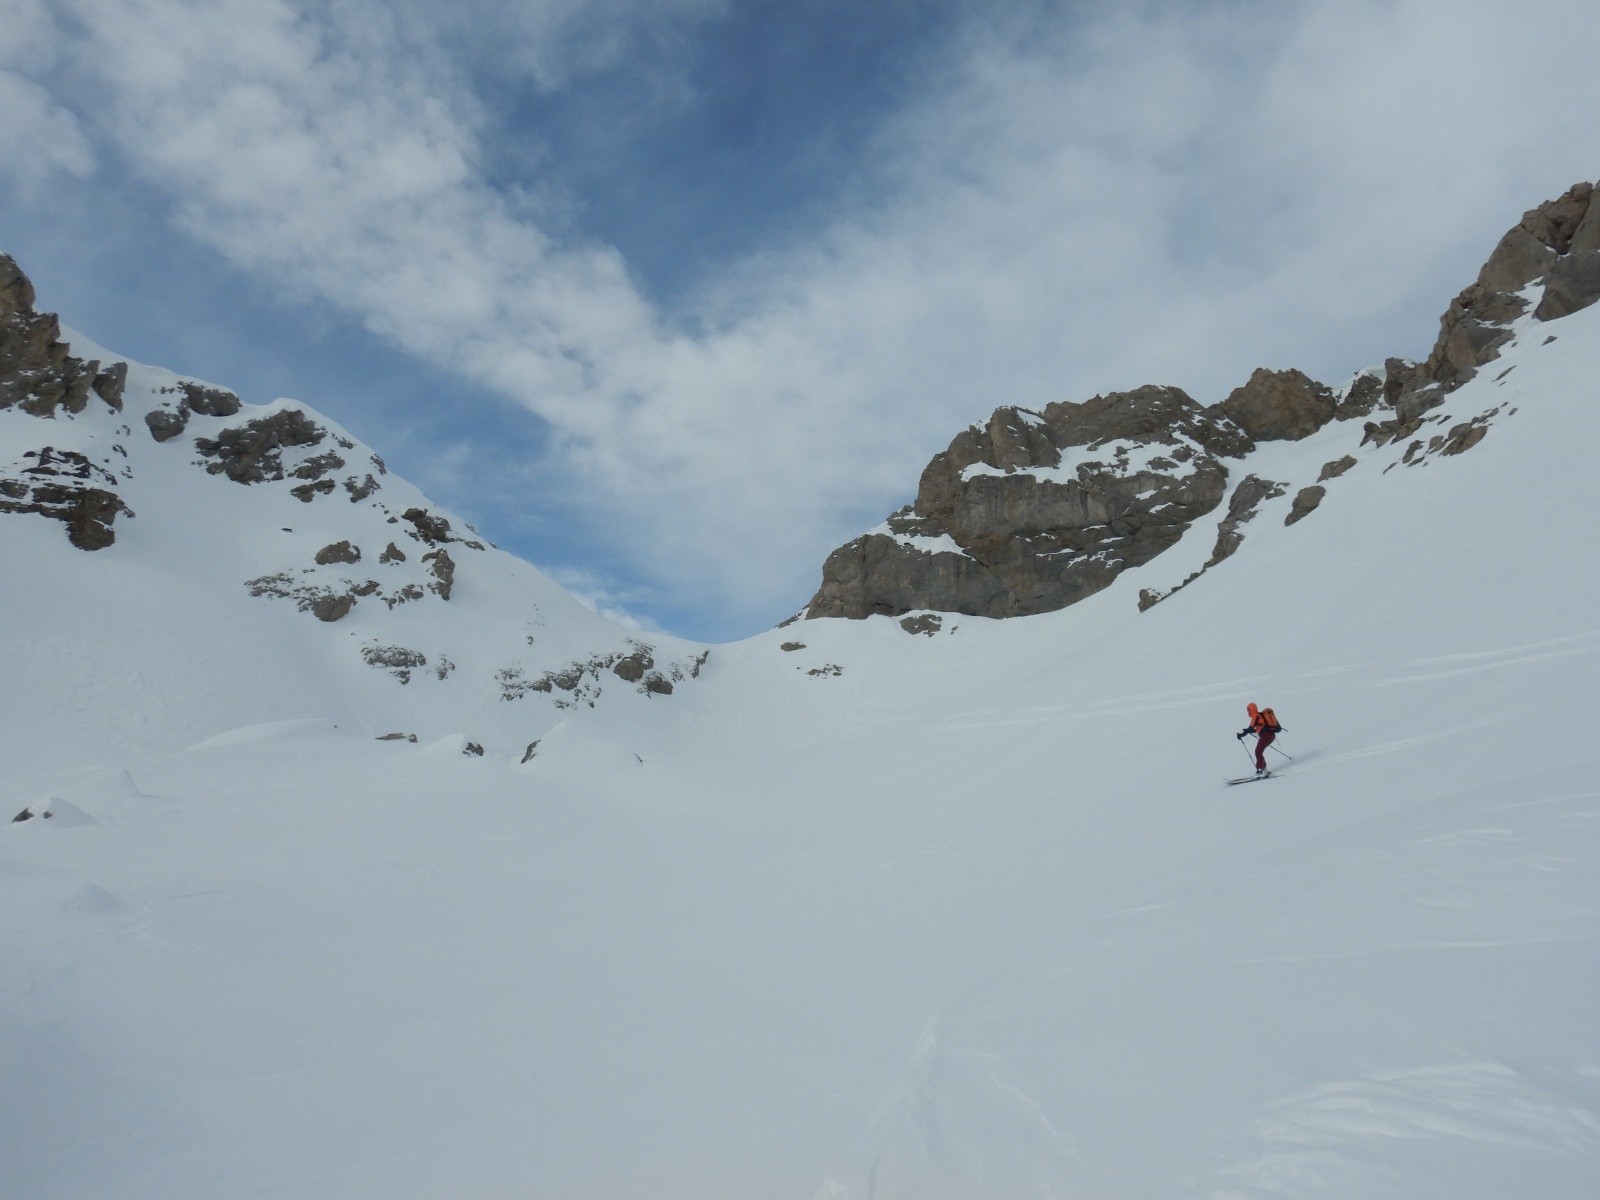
(1264, 724)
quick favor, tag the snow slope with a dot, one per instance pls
(962, 916)
(182, 628)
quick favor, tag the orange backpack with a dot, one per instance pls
(1262, 718)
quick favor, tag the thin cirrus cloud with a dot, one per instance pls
(1063, 200)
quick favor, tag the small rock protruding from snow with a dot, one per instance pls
(1305, 500)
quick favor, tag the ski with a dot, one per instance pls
(1250, 778)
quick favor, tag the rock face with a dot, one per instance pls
(37, 374)
(443, 569)
(1557, 243)
(338, 552)
(1252, 492)
(252, 453)
(168, 422)
(39, 377)
(66, 486)
(1031, 512)
(1305, 500)
(1555, 249)
(1280, 405)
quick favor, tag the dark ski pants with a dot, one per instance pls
(1262, 742)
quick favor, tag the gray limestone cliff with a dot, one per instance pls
(1549, 261)
(1029, 512)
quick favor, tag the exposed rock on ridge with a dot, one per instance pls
(39, 377)
(36, 372)
(66, 486)
(250, 508)
(1280, 405)
(1556, 245)
(1034, 511)
(1031, 512)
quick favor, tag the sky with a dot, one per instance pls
(672, 297)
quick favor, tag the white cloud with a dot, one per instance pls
(1127, 195)
(38, 137)
(600, 595)
(31, 34)
(551, 42)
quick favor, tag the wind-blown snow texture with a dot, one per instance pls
(961, 916)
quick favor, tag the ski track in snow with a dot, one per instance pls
(1313, 1143)
(1447, 666)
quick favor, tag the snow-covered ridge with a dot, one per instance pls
(1030, 512)
(288, 572)
(1125, 456)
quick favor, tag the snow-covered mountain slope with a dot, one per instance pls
(867, 914)
(234, 564)
(1029, 512)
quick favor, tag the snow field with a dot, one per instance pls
(974, 918)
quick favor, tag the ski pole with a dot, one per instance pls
(1290, 757)
(1246, 750)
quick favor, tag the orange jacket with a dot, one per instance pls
(1261, 720)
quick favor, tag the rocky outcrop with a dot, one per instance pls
(322, 601)
(581, 682)
(208, 401)
(338, 552)
(1458, 439)
(252, 452)
(1305, 500)
(1280, 405)
(65, 486)
(369, 576)
(1557, 244)
(633, 667)
(331, 607)
(165, 424)
(443, 569)
(1573, 283)
(37, 373)
(360, 489)
(1252, 492)
(397, 660)
(1336, 468)
(109, 384)
(39, 377)
(426, 527)
(1554, 249)
(1031, 512)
